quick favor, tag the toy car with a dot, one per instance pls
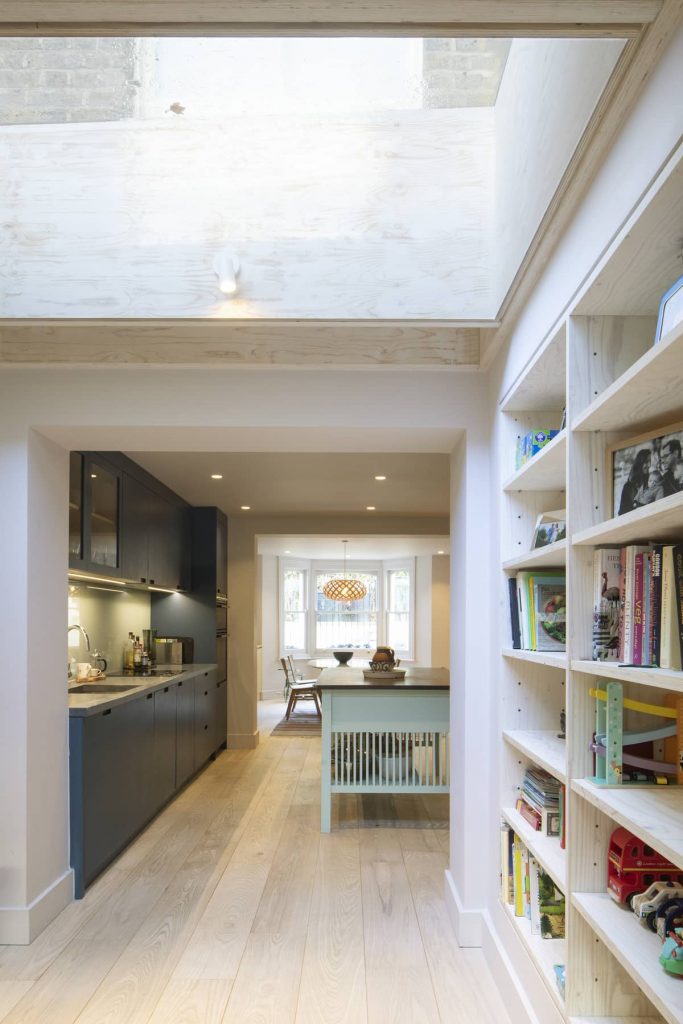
(669, 916)
(646, 904)
(632, 867)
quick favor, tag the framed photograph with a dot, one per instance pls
(550, 526)
(645, 468)
(670, 310)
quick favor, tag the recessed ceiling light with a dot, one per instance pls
(288, 552)
(380, 478)
(441, 552)
(370, 508)
(93, 476)
(216, 476)
(245, 508)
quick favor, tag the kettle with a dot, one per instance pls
(98, 660)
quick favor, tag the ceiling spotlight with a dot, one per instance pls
(216, 476)
(370, 508)
(245, 508)
(227, 269)
(380, 478)
(441, 552)
(287, 552)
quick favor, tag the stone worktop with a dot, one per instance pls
(350, 677)
(83, 704)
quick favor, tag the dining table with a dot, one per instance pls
(383, 735)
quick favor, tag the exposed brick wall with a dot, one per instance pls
(463, 72)
(51, 81)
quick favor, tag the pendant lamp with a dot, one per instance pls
(344, 589)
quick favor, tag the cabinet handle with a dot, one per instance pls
(206, 727)
(142, 579)
(152, 582)
(206, 673)
(180, 684)
(206, 693)
(107, 712)
(149, 696)
(166, 689)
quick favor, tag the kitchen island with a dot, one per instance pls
(383, 736)
(131, 750)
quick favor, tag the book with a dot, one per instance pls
(563, 816)
(526, 603)
(638, 609)
(632, 551)
(506, 863)
(550, 615)
(678, 589)
(534, 897)
(670, 646)
(647, 574)
(655, 604)
(606, 603)
(518, 875)
(514, 614)
(551, 907)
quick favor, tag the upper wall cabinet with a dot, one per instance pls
(94, 515)
(122, 525)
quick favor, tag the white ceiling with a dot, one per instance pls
(286, 483)
(370, 548)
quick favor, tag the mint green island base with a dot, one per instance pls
(383, 737)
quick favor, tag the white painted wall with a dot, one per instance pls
(546, 97)
(441, 611)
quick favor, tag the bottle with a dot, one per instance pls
(137, 657)
(129, 654)
(145, 661)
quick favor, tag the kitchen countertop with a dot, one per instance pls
(83, 704)
(350, 678)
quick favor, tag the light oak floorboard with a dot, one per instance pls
(231, 907)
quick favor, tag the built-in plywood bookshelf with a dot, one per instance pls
(599, 366)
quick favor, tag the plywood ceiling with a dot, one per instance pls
(306, 483)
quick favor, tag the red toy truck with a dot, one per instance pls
(633, 866)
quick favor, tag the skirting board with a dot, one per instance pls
(467, 924)
(524, 994)
(19, 926)
(243, 740)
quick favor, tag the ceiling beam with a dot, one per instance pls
(311, 343)
(470, 17)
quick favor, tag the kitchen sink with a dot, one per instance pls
(101, 688)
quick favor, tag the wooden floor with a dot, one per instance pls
(231, 907)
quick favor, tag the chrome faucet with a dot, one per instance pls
(85, 637)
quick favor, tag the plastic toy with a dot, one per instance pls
(669, 916)
(613, 764)
(646, 904)
(671, 957)
(632, 866)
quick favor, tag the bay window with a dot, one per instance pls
(311, 625)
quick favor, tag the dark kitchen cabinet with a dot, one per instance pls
(169, 544)
(221, 737)
(134, 530)
(94, 514)
(204, 717)
(164, 761)
(184, 764)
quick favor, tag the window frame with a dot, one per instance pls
(312, 567)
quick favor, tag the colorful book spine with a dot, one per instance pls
(647, 611)
(670, 647)
(656, 604)
(678, 589)
(514, 614)
(638, 609)
(518, 875)
(606, 603)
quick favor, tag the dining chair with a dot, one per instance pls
(299, 689)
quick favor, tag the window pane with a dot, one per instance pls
(399, 590)
(341, 628)
(398, 631)
(294, 590)
(295, 631)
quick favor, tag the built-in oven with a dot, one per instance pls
(222, 655)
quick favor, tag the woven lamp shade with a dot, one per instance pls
(344, 590)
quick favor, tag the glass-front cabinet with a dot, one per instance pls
(94, 514)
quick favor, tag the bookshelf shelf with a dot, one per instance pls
(636, 948)
(545, 658)
(546, 849)
(654, 813)
(662, 520)
(551, 555)
(543, 747)
(664, 678)
(648, 392)
(544, 953)
(546, 471)
(543, 385)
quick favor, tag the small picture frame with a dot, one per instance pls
(670, 310)
(644, 469)
(550, 527)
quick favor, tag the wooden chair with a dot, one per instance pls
(299, 689)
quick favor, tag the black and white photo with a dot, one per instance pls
(646, 469)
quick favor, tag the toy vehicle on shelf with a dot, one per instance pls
(646, 904)
(671, 957)
(632, 866)
(668, 917)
